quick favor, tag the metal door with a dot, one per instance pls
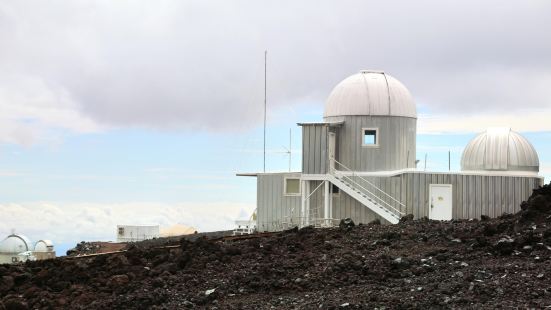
(440, 207)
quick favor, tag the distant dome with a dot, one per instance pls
(15, 244)
(44, 246)
(370, 93)
(500, 149)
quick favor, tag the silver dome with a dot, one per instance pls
(500, 149)
(14, 244)
(370, 93)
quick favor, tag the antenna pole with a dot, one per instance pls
(425, 162)
(265, 62)
(449, 160)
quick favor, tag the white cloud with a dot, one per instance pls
(30, 109)
(520, 120)
(199, 64)
(67, 223)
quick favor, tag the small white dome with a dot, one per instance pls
(15, 244)
(44, 246)
(370, 93)
(500, 149)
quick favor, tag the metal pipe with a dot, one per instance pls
(265, 66)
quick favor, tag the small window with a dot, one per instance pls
(121, 231)
(292, 186)
(370, 137)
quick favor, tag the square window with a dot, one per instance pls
(370, 137)
(292, 186)
(121, 231)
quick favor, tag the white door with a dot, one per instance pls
(331, 151)
(440, 204)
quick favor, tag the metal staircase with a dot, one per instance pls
(357, 187)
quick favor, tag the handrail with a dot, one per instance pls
(396, 211)
(308, 197)
(367, 181)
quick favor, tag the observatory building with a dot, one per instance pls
(359, 163)
(17, 248)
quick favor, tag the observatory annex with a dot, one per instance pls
(359, 163)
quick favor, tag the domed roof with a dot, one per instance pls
(500, 149)
(370, 93)
(43, 246)
(15, 244)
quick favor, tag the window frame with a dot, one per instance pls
(376, 145)
(285, 186)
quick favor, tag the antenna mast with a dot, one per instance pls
(265, 61)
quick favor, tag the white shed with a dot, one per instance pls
(133, 233)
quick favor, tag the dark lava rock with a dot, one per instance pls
(6, 283)
(407, 218)
(375, 222)
(505, 246)
(346, 223)
(15, 303)
(118, 280)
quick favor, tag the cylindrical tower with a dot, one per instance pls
(380, 122)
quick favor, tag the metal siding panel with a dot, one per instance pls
(312, 157)
(317, 159)
(423, 189)
(324, 151)
(306, 147)
(260, 209)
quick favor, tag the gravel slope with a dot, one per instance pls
(491, 263)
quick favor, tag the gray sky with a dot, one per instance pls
(86, 65)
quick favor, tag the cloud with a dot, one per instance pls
(522, 120)
(197, 65)
(31, 110)
(71, 223)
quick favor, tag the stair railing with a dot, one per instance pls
(373, 195)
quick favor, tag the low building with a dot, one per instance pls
(17, 248)
(134, 233)
(44, 249)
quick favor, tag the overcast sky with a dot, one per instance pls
(176, 65)
(124, 75)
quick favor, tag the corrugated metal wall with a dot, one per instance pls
(396, 139)
(314, 148)
(273, 207)
(473, 196)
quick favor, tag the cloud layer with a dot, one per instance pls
(86, 65)
(71, 223)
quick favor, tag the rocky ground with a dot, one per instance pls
(96, 247)
(487, 263)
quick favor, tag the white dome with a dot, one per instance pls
(15, 244)
(43, 246)
(370, 93)
(500, 149)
